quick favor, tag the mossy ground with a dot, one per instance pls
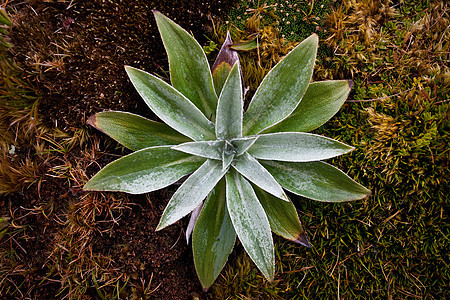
(392, 245)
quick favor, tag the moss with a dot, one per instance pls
(392, 244)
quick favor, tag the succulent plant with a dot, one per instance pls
(240, 162)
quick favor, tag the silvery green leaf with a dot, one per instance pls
(214, 237)
(192, 192)
(230, 106)
(243, 144)
(228, 154)
(189, 69)
(296, 147)
(283, 217)
(316, 180)
(144, 171)
(171, 106)
(225, 60)
(208, 149)
(321, 101)
(135, 132)
(250, 223)
(282, 89)
(256, 173)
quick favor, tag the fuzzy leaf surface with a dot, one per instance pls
(316, 180)
(208, 149)
(189, 69)
(171, 106)
(230, 106)
(321, 101)
(296, 147)
(250, 223)
(251, 169)
(283, 217)
(135, 132)
(144, 171)
(214, 236)
(282, 89)
(192, 192)
(243, 144)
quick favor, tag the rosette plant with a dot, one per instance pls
(240, 162)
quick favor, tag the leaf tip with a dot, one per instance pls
(314, 37)
(160, 226)
(302, 239)
(350, 84)
(92, 120)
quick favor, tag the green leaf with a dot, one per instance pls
(224, 62)
(250, 223)
(189, 69)
(243, 144)
(296, 147)
(256, 173)
(245, 46)
(144, 171)
(171, 106)
(230, 106)
(283, 217)
(321, 101)
(316, 180)
(208, 149)
(228, 154)
(135, 132)
(192, 192)
(282, 89)
(213, 238)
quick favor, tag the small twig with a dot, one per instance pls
(382, 98)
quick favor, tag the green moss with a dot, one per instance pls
(394, 243)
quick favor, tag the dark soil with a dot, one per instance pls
(82, 50)
(74, 54)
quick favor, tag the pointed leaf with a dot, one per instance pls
(243, 144)
(135, 132)
(227, 159)
(316, 180)
(283, 217)
(192, 192)
(189, 69)
(208, 149)
(250, 223)
(144, 171)
(224, 62)
(245, 46)
(296, 147)
(213, 238)
(321, 101)
(230, 106)
(256, 173)
(192, 221)
(228, 153)
(171, 106)
(282, 89)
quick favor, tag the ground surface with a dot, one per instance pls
(74, 55)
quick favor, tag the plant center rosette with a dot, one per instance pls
(239, 163)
